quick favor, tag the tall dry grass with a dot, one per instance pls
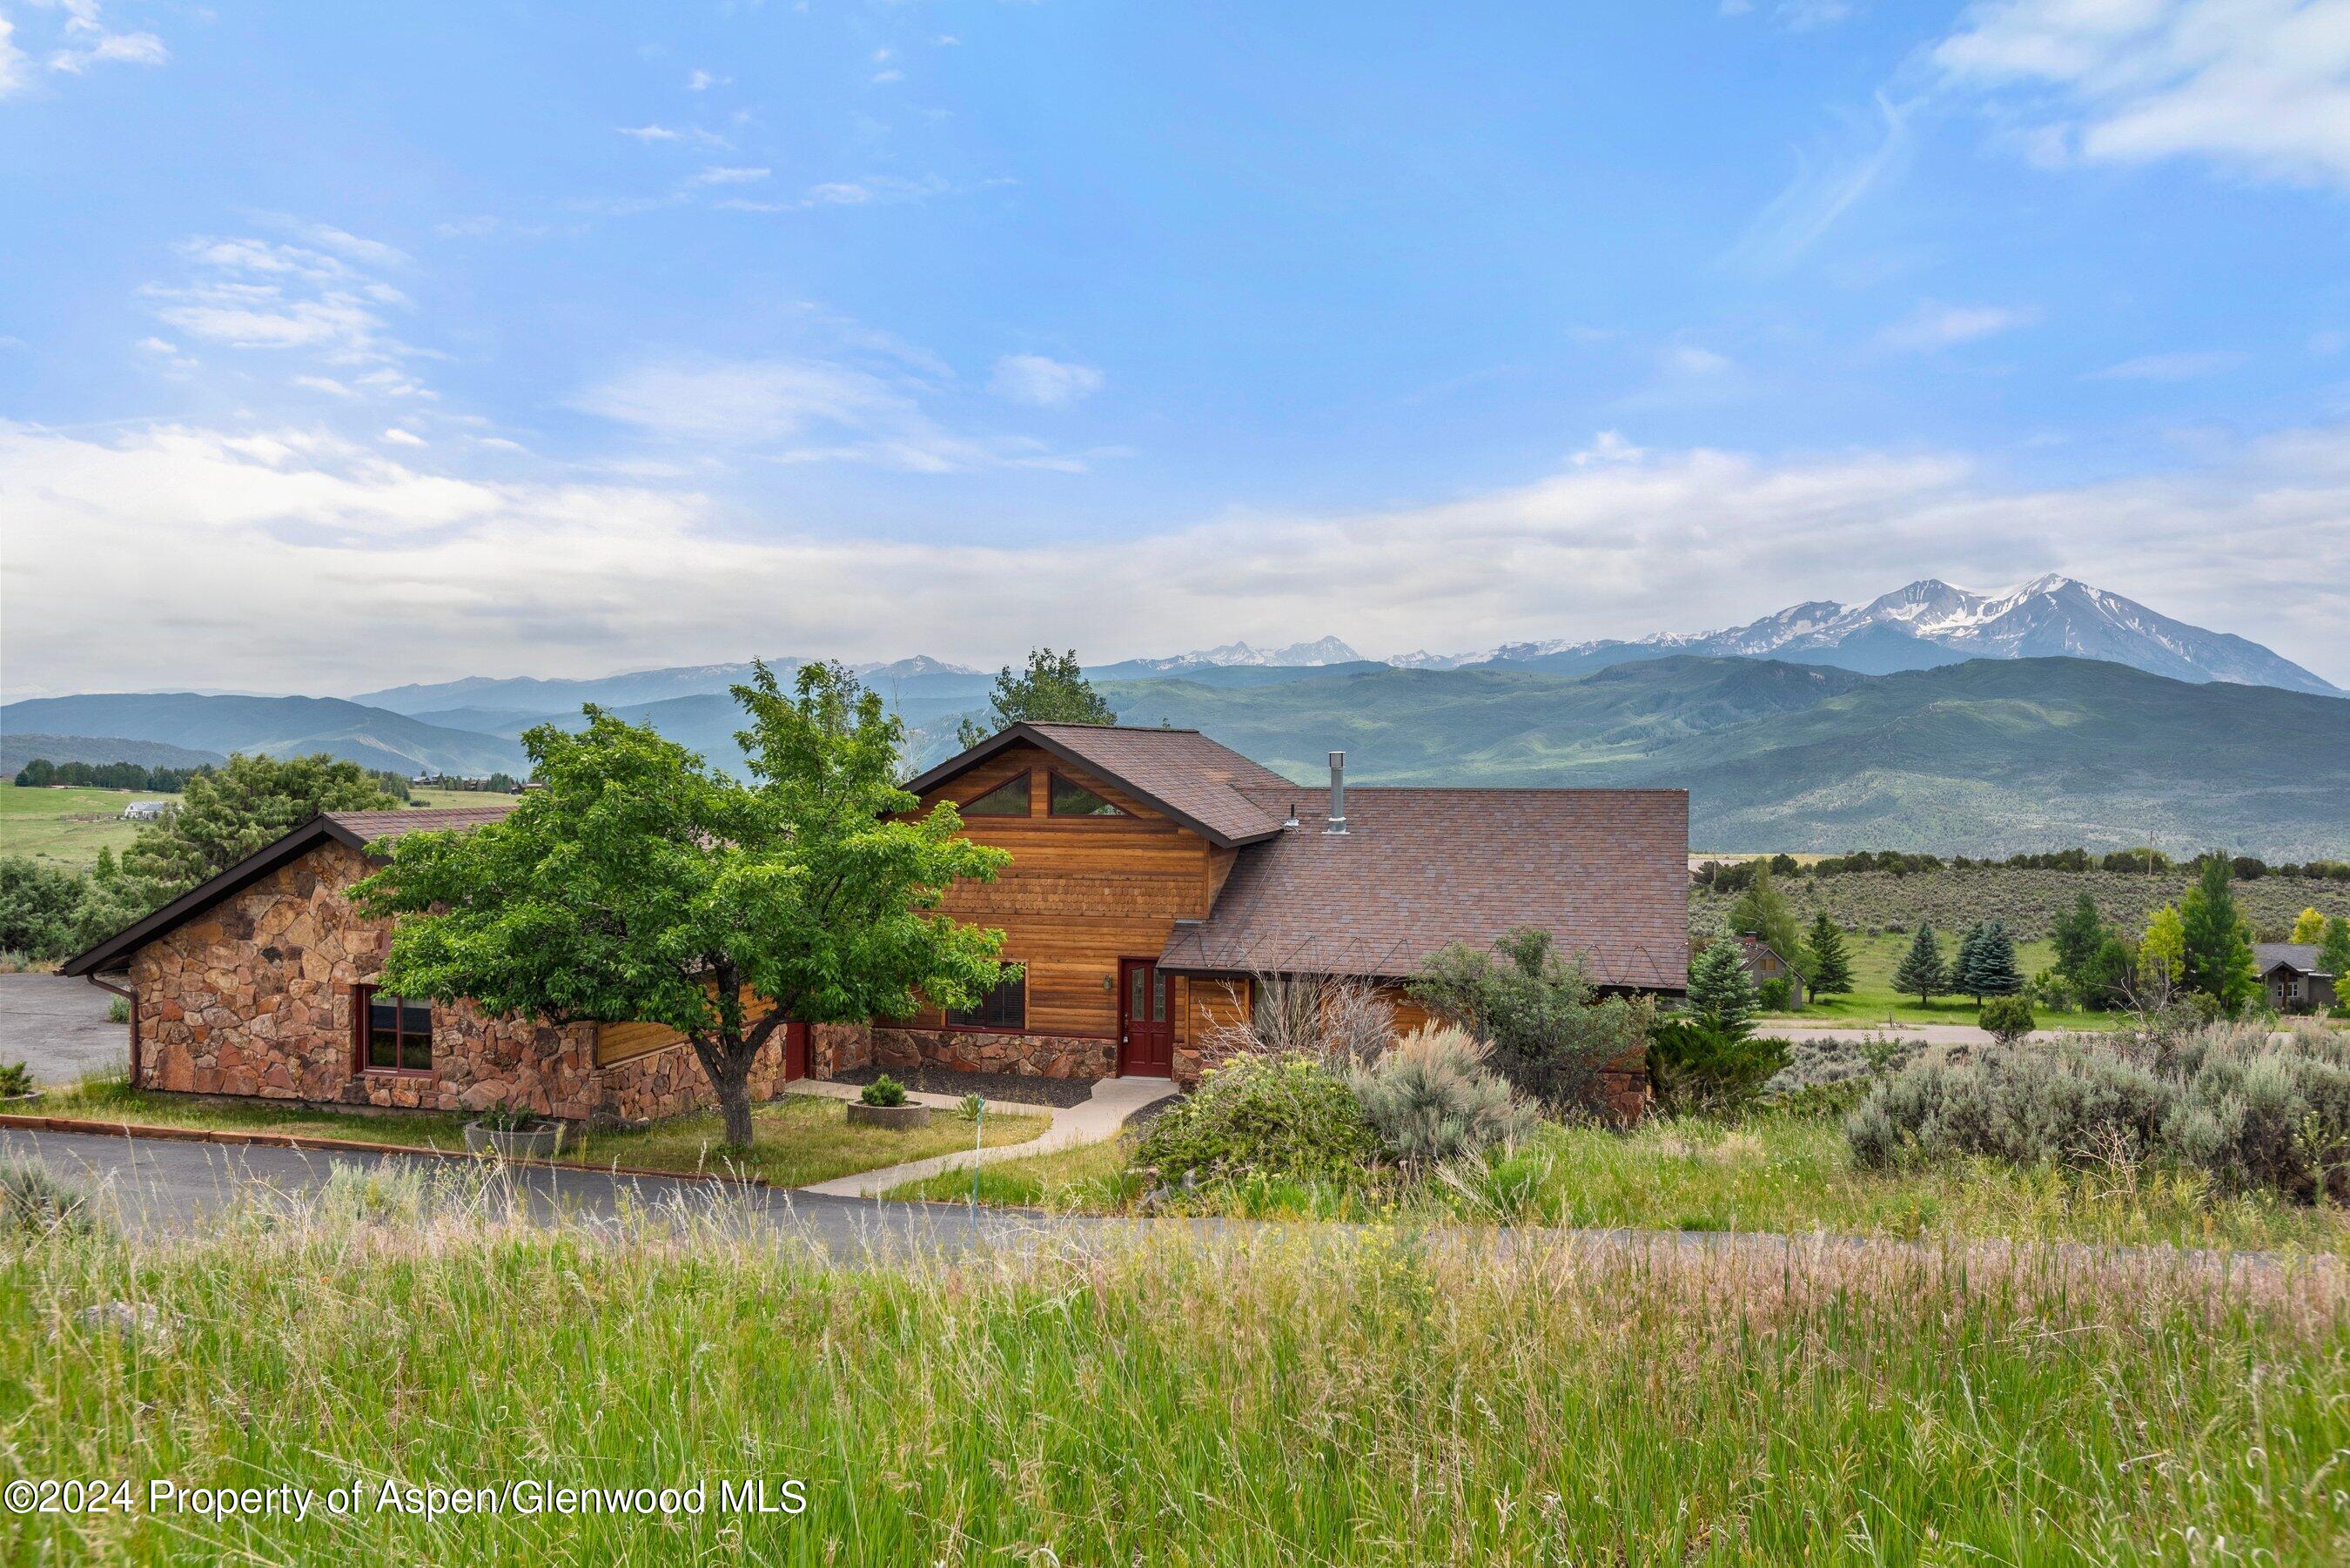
(1244, 1395)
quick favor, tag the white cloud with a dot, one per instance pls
(1042, 382)
(1689, 359)
(85, 40)
(13, 72)
(2259, 85)
(1933, 325)
(715, 175)
(702, 81)
(649, 132)
(398, 437)
(1830, 180)
(157, 345)
(881, 78)
(2179, 367)
(241, 556)
(328, 385)
(873, 189)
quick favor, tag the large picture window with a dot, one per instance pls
(1075, 800)
(1008, 799)
(1005, 1007)
(394, 1032)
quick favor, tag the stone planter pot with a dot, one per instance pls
(541, 1140)
(900, 1118)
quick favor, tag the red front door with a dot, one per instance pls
(1146, 1036)
(794, 1050)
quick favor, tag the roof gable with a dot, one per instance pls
(352, 829)
(1181, 773)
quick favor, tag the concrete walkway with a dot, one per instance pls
(1094, 1120)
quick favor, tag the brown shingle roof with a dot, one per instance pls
(1196, 781)
(1605, 871)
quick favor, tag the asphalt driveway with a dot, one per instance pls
(57, 1027)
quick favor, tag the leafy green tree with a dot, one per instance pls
(38, 773)
(1922, 972)
(2309, 926)
(2218, 957)
(1991, 968)
(1536, 1009)
(2009, 1018)
(640, 884)
(1761, 910)
(1053, 690)
(1831, 964)
(2334, 955)
(231, 811)
(1720, 988)
(2162, 954)
(40, 908)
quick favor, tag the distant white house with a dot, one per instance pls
(144, 810)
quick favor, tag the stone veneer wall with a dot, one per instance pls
(253, 997)
(977, 1051)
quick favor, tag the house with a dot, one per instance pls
(1765, 963)
(2291, 976)
(144, 810)
(1157, 878)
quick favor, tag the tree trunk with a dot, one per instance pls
(728, 1063)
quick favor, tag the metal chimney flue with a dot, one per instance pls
(1338, 793)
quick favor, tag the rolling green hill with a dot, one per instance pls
(1988, 756)
(275, 726)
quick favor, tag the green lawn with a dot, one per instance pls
(1872, 998)
(797, 1139)
(1262, 1398)
(1774, 1172)
(65, 828)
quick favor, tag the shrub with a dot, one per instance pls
(34, 1204)
(1536, 1011)
(1335, 1020)
(118, 1012)
(15, 1078)
(2009, 1018)
(1774, 994)
(2256, 1112)
(884, 1090)
(1697, 1066)
(1272, 1115)
(1430, 1099)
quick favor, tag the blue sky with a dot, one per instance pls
(348, 345)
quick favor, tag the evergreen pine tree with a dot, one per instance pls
(1831, 964)
(1961, 972)
(2079, 936)
(2218, 949)
(2334, 955)
(1720, 991)
(1921, 972)
(1993, 972)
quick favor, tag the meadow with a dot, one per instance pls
(64, 828)
(1252, 1396)
(1873, 1000)
(1784, 1172)
(2029, 901)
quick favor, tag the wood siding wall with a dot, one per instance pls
(1081, 892)
(621, 1042)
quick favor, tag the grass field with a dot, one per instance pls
(1872, 999)
(797, 1139)
(1264, 1397)
(66, 828)
(1775, 1172)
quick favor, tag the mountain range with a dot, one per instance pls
(1931, 718)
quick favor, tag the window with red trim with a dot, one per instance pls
(389, 1034)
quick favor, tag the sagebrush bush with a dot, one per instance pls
(2256, 1111)
(1431, 1098)
(34, 1202)
(1264, 1115)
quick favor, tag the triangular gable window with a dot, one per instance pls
(1076, 800)
(1006, 799)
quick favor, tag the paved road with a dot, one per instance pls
(59, 1027)
(163, 1187)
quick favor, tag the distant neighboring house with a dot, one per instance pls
(2289, 975)
(1764, 963)
(144, 810)
(1156, 879)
